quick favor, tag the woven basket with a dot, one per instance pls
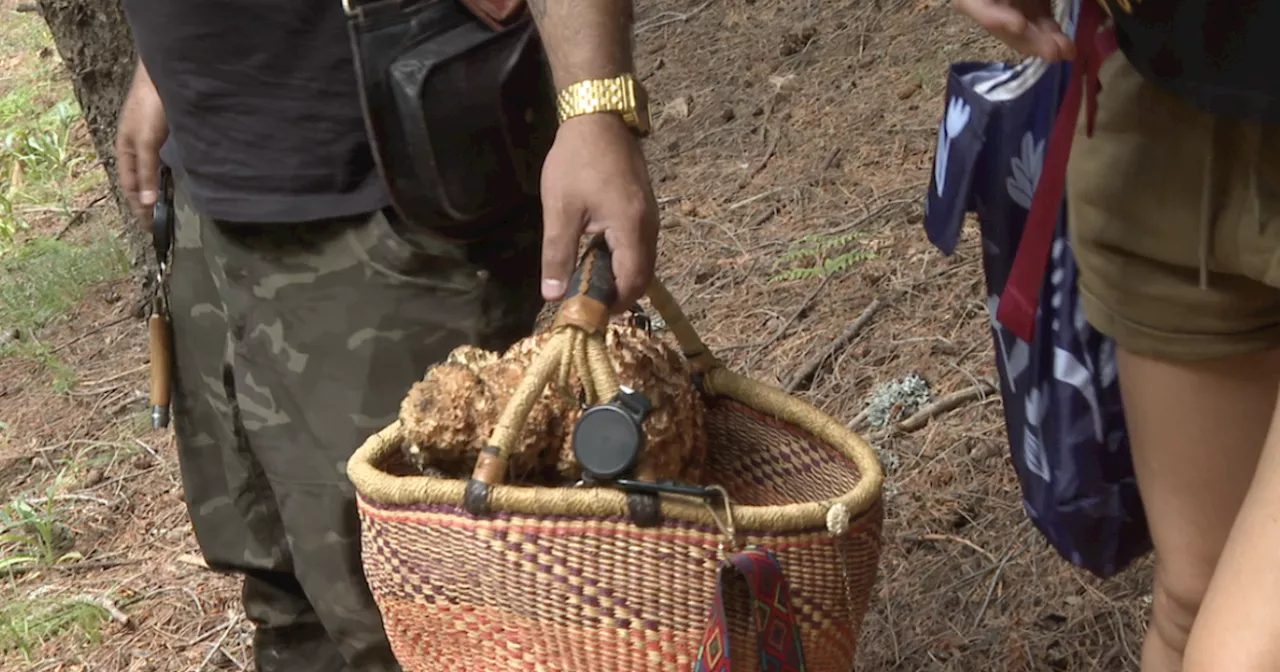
(564, 579)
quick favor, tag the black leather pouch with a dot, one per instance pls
(460, 110)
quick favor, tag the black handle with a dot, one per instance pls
(592, 290)
(162, 217)
(593, 278)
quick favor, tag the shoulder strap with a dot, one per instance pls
(777, 631)
(1021, 296)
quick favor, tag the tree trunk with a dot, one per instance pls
(96, 46)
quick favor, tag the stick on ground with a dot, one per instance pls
(804, 377)
(944, 404)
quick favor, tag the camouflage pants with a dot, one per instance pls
(293, 344)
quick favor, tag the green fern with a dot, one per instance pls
(822, 255)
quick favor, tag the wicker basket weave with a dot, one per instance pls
(563, 580)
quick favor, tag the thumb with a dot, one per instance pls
(143, 171)
(561, 231)
(148, 173)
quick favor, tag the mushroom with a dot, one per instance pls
(449, 416)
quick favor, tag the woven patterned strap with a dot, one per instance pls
(776, 628)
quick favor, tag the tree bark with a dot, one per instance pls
(96, 46)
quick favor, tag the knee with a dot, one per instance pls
(1176, 600)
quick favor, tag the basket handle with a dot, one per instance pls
(578, 342)
(592, 290)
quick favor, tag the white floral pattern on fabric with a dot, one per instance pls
(952, 125)
(1033, 452)
(1014, 357)
(1025, 170)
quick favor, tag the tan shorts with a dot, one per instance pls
(1175, 223)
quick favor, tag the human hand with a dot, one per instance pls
(142, 130)
(595, 181)
(1026, 25)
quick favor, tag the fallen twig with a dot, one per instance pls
(123, 477)
(806, 374)
(90, 332)
(117, 376)
(80, 215)
(912, 537)
(37, 501)
(764, 161)
(748, 201)
(859, 420)
(782, 330)
(233, 620)
(149, 449)
(867, 217)
(129, 400)
(87, 565)
(107, 606)
(943, 404)
(82, 566)
(666, 18)
(829, 162)
(761, 218)
(995, 579)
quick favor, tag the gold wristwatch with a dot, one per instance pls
(623, 95)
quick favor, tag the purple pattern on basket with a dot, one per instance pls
(610, 608)
(1062, 404)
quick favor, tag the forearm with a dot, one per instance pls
(585, 39)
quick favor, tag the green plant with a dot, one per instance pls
(8, 224)
(824, 254)
(27, 623)
(40, 154)
(44, 278)
(45, 149)
(31, 534)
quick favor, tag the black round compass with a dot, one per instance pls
(608, 438)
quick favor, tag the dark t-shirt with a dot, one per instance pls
(1222, 56)
(263, 110)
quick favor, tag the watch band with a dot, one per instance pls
(620, 94)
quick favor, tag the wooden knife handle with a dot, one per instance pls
(161, 367)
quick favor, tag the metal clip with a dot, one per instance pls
(640, 319)
(726, 525)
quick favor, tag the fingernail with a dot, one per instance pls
(552, 287)
(148, 197)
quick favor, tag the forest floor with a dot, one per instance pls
(792, 150)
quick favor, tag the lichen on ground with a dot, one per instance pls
(897, 399)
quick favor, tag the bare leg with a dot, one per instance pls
(1238, 628)
(1197, 430)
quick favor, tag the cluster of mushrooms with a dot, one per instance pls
(448, 417)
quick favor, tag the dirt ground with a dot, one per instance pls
(775, 120)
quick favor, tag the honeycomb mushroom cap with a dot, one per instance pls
(450, 415)
(437, 415)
